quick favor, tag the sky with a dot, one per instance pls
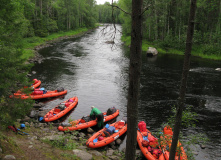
(103, 1)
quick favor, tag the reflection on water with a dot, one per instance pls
(97, 74)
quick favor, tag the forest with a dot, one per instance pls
(164, 26)
(22, 22)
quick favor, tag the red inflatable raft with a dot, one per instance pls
(166, 140)
(150, 147)
(42, 95)
(61, 109)
(81, 124)
(36, 84)
(107, 135)
(148, 143)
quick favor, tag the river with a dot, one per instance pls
(97, 73)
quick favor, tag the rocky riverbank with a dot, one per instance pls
(38, 58)
(39, 140)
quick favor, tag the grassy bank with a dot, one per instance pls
(31, 42)
(196, 50)
(46, 142)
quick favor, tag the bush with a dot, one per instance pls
(210, 49)
(52, 26)
(41, 32)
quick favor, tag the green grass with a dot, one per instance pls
(31, 42)
(27, 53)
(196, 50)
(9, 145)
(70, 144)
(69, 156)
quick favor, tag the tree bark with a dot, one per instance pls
(40, 4)
(134, 78)
(186, 66)
(172, 15)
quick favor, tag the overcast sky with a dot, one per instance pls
(103, 1)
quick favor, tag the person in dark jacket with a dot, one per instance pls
(99, 115)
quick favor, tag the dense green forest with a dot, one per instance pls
(27, 23)
(164, 26)
(108, 14)
(28, 19)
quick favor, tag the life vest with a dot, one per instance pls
(168, 130)
(37, 92)
(142, 126)
(145, 143)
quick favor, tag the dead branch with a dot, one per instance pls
(145, 9)
(114, 6)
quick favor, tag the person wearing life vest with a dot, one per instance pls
(99, 115)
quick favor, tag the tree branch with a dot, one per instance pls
(145, 9)
(119, 9)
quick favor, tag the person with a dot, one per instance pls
(99, 115)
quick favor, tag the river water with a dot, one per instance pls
(97, 73)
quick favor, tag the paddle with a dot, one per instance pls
(22, 132)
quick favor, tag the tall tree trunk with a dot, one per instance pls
(134, 78)
(168, 23)
(172, 15)
(67, 20)
(156, 20)
(40, 4)
(149, 32)
(218, 26)
(36, 15)
(186, 66)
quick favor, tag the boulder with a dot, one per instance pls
(83, 155)
(118, 141)
(109, 152)
(152, 52)
(9, 157)
(43, 113)
(90, 130)
(96, 153)
(33, 114)
(84, 148)
(38, 105)
(114, 157)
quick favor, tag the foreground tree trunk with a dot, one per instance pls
(186, 66)
(134, 79)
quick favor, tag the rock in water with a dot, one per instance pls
(152, 52)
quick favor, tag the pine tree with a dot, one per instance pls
(12, 68)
